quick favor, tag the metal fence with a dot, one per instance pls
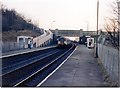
(110, 59)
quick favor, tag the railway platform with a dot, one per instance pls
(25, 50)
(80, 69)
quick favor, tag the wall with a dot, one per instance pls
(9, 46)
(109, 57)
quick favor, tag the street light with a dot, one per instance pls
(97, 29)
(87, 25)
(52, 24)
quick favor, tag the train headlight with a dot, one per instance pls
(58, 42)
(65, 42)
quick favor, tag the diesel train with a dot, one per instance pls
(63, 42)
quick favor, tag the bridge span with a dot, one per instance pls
(73, 33)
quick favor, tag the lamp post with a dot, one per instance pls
(97, 29)
(52, 24)
(87, 25)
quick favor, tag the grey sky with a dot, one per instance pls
(67, 14)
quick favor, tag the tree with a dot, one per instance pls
(111, 25)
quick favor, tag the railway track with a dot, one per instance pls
(11, 67)
(23, 56)
(32, 71)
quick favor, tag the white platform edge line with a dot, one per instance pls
(28, 51)
(56, 69)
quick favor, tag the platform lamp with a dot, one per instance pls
(87, 25)
(97, 29)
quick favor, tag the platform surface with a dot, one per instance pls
(80, 69)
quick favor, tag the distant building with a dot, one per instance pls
(23, 41)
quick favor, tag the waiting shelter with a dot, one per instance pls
(23, 41)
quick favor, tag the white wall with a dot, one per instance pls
(43, 38)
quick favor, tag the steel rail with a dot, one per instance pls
(28, 65)
(47, 65)
(23, 63)
(55, 69)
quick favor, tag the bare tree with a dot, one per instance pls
(111, 25)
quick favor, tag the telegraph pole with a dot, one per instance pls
(97, 29)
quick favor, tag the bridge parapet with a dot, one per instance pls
(73, 33)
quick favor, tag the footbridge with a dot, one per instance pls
(73, 33)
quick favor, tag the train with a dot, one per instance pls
(63, 42)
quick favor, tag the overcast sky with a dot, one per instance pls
(67, 14)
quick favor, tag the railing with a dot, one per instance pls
(109, 57)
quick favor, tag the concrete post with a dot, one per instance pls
(119, 38)
(80, 34)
